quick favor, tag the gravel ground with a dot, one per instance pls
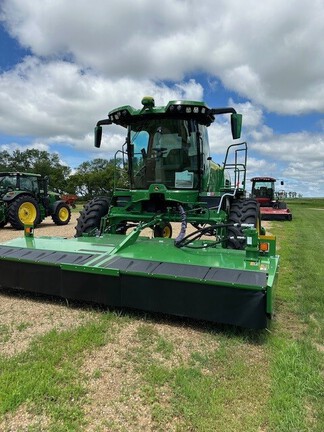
(46, 228)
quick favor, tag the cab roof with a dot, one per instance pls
(263, 179)
(182, 109)
(20, 174)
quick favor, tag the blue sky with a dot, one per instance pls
(64, 65)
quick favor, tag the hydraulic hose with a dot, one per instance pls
(196, 235)
(183, 229)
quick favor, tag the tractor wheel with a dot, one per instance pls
(163, 230)
(242, 211)
(90, 216)
(62, 214)
(23, 211)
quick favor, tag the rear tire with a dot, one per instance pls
(243, 211)
(90, 216)
(23, 211)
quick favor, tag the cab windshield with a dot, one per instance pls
(262, 189)
(7, 183)
(163, 151)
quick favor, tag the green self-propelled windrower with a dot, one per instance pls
(220, 266)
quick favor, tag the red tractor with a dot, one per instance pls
(271, 206)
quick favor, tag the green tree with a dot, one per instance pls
(37, 161)
(5, 158)
(97, 177)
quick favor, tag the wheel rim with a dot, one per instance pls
(163, 230)
(166, 232)
(27, 213)
(63, 214)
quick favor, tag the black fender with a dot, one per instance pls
(53, 206)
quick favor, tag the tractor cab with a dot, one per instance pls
(168, 161)
(263, 190)
(169, 144)
(13, 182)
(7, 183)
(166, 151)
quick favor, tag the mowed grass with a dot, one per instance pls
(182, 375)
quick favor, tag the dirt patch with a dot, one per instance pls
(111, 404)
(116, 397)
(23, 421)
(23, 317)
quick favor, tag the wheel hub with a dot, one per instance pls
(27, 213)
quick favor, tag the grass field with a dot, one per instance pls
(136, 372)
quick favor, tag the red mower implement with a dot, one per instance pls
(271, 206)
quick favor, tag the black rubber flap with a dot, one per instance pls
(44, 256)
(195, 272)
(134, 287)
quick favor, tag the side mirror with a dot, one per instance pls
(282, 183)
(236, 125)
(97, 136)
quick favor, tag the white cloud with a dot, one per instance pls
(294, 147)
(270, 52)
(296, 157)
(88, 58)
(59, 99)
(12, 146)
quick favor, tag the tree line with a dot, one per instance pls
(89, 179)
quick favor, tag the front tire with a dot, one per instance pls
(62, 214)
(90, 216)
(23, 211)
(163, 230)
(243, 211)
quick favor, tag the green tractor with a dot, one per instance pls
(171, 175)
(220, 267)
(26, 200)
